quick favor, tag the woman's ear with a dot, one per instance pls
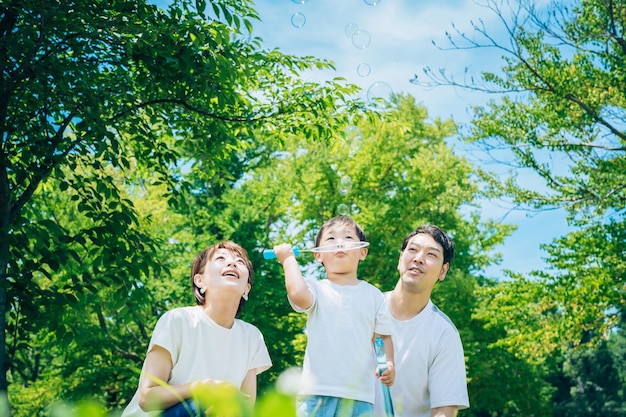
(197, 279)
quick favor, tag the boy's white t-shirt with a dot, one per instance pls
(430, 365)
(202, 349)
(339, 360)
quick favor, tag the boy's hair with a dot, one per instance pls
(440, 237)
(340, 220)
(206, 255)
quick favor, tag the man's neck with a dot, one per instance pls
(404, 305)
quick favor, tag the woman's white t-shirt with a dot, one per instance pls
(202, 349)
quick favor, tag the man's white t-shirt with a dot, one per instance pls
(430, 365)
(202, 349)
(339, 360)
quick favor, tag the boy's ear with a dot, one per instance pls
(363, 253)
(317, 257)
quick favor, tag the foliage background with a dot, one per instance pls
(133, 137)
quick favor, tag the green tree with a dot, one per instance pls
(562, 99)
(401, 174)
(96, 97)
(595, 378)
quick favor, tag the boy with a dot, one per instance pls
(344, 314)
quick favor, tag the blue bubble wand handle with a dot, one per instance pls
(269, 253)
(381, 359)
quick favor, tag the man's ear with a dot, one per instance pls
(444, 271)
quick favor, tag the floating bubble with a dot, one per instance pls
(306, 1)
(343, 209)
(345, 185)
(361, 39)
(350, 29)
(363, 69)
(378, 92)
(353, 138)
(369, 2)
(298, 20)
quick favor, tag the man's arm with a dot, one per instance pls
(448, 411)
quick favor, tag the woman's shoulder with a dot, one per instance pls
(180, 313)
(247, 327)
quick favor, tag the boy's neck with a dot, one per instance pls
(341, 279)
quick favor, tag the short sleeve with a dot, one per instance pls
(168, 334)
(261, 358)
(383, 318)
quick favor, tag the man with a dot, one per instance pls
(430, 367)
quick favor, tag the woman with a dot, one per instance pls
(199, 350)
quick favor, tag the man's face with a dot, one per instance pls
(421, 263)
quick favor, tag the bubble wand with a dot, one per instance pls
(381, 359)
(269, 253)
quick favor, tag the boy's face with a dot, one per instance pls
(342, 259)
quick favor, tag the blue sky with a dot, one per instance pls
(401, 35)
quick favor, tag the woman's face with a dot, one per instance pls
(225, 271)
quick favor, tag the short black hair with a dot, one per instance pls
(440, 237)
(341, 220)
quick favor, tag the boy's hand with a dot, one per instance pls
(283, 251)
(388, 376)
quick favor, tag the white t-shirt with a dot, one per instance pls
(202, 349)
(430, 365)
(339, 360)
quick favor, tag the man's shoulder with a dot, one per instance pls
(440, 316)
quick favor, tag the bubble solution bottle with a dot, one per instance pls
(381, 360)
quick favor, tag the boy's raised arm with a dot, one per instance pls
(297, 290)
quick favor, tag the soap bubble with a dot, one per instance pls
(368, 2)
(353, 138)
(345, 185)
(378, 92)
(305, 1)
(298, 20)
(343, 209)
(363, 69)
(361, 39)
(350, 29)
